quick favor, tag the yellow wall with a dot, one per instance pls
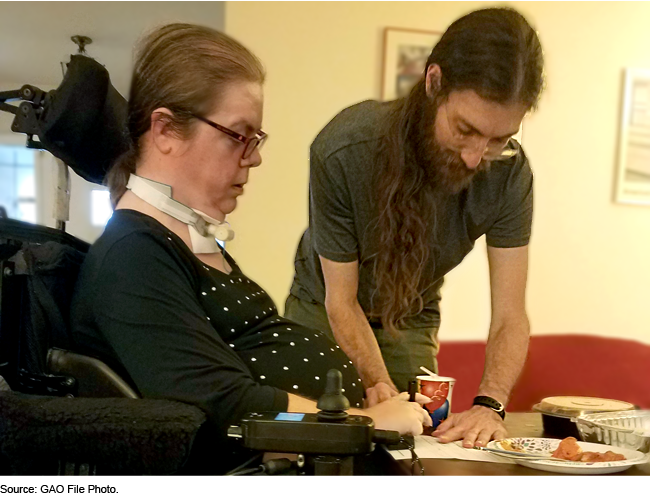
(590, 257)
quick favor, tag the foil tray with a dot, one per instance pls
(629, 429)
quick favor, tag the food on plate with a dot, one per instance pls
(568, 449)
(511, 446)
(571, 451)
(599, 457)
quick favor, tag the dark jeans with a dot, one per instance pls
(403, 355)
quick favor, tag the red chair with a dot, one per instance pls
(557, 364)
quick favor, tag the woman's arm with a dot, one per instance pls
(396, 414)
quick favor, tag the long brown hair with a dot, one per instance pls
(185, 68)
(497, 54)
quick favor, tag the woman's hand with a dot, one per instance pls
(400, 415)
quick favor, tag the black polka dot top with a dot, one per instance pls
(176, 328)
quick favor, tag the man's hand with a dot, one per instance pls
(476, 426)
(379, 393)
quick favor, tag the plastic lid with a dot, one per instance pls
(427, 377)
(577, 406)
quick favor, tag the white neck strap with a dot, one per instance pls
(203, 228)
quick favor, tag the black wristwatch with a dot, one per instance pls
(491, 403)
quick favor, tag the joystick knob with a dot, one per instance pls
(333, 403)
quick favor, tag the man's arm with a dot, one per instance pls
(351, 329)
(507, 343)
(506, 350)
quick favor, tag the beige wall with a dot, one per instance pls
(590, 257)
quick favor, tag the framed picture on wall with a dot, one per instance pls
(405, 54)
(633, 183)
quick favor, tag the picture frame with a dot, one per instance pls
(405, 54)
(633, 168)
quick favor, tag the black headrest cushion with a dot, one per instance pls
(84, 120)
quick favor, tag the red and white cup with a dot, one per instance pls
(439, 390)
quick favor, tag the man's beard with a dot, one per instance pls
(445, 168)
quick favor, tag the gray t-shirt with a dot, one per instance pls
(343, 212)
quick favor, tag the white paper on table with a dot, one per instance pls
(427, 447)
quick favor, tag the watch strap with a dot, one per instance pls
(490, 403)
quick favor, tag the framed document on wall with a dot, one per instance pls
(633, 174)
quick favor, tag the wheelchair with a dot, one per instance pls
(66, 413)
(62, 412)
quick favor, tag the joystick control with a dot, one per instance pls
(333, 403)
(328, 439)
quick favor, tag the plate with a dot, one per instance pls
(548, 445)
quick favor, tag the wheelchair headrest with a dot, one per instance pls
(84, 120)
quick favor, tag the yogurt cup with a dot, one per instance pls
(439, 389)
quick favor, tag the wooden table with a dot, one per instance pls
(518, 425)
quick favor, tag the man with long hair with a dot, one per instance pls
(399, 193)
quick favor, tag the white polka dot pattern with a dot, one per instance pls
(278, 353)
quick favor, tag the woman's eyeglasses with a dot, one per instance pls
(250, 143)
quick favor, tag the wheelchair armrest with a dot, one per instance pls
(118, 435)
(94, 377)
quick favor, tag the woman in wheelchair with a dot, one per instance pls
(157, 298)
